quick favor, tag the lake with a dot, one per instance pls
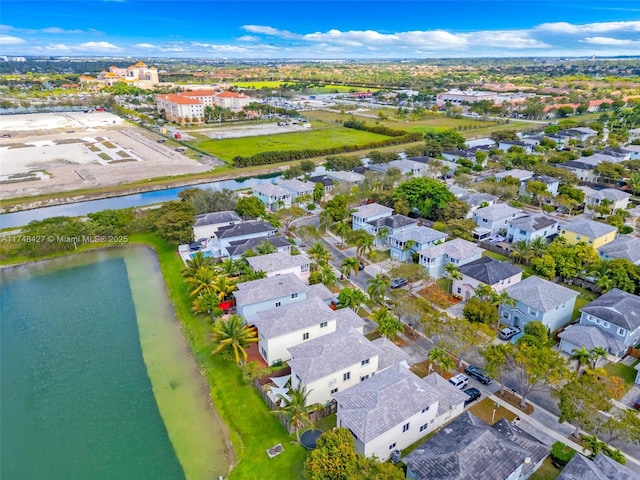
(97, 380)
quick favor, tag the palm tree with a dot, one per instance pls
(328, 276)
(364, 243)
(265, 248)
(206, 304)
(350, 264)
(634, 183)
(232, 334)
(382, 235)
(596, 354)
(352, 298)
(200, 282)
(319, 253)
(230, 267)
(406, 248)
(377, 288)
(325, 219)
(223, 287)
(442, 359)
(592, 444)
(388, 325)
(453, 273)
(193, 264)
(296, 409)
(582, 357)
(521, 251)
(538, 246)
(342, 228)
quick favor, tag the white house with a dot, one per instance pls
(407, 242)
(409, 167)
(348, 178)
(266, 293)
(457, 251)
(298, 188)
(273, 196)
(485, 271)
(495, 218)
(625, 246)
(364, 214)
(530, 227)
(523, 176)
(335, 362)
(278, 263)
(284, 327)
(618, 199)
(551, 183)
(208, 223)
(477, 200)
(392, 225)
(227, 235)
(540, 300)
(238, 248)
(505, 145)
(396, 408)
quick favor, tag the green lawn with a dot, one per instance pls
(317, 90)
(327, 423)
(495, 255)
(626, 372)
(322, 135)
(585, 297)
(484, 411)
(547, 471)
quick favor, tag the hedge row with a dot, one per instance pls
(379, 129)
(267, 158)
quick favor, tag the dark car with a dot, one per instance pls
(478, 374)
(398, 282)
(361, 266)
(161, 140)
(473, 393)
(637, 404)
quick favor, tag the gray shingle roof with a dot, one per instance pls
(590, 337)
(329, 354)
(390, 353)
(614, 470)
(448, 395)
(533, 223)
(384, 401)
(456, 248)
(590, 228)
(626, 247)
(214, 218)
(271, 190)
(605, 194)
(393, 221)
(600, 468)
(372, 209)
(488, 270)
(541, 294)
(617, 307)
(545, 179)
(244, 228)
(468, 449)
(277, 261)
(292, 317)
(269, 288)
(238, 247)
(341, 176)
(296, 185)
(475, 199)
(496, 212)
(420, 235)
(515, 173)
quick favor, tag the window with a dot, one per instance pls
(405, 428)
(278, 304)
(364, 362)
(346, 376)
(305, 336)
(362, 379)
(323, 324)
(484, 220)
(392, 446)
(621, 332)
(459, 290)
(423, 427)
(335, 390)
(294, 295)
(264, 352)
(425, 409)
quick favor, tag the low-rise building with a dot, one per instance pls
(594, 233)
(625, 246)
(395, 408)
(551, 183)
(476, 201)
(457, 251)
(207, 224)
(273, 196)
(347, 178)
(364, 214)
(404, 244)
(495, 218)
(539, 300)
(457, 97)
(485, 271)
(238, 248)
(616, 199)
(226, 234)
(278, 263)
(529, 227)
(298, 188)
(505, 145)
(600, 468)
(381, 228)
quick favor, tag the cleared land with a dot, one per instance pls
(58, 152)
(316, 90)
(321, 135)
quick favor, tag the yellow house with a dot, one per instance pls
(592, 233)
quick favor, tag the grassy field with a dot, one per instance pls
(626, 372)
(494, 255)
(547, 471)
(316, 90)
(322, 135)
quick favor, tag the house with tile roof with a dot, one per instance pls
(495, 218)
(405, 243)
(468, 448)
(274, 292)
(477, 201)
(395, 408)
(625, 246)
(520, 175)
(347, 178)
(274, 197)
(591, 232)
(337, 361)
(207, 224)
(298, 188)
(362, 215)
(459, 252)
(617, 199)
(600, 468)
(539, 300)
(552, 184)
(530, 227)
(485, 271)
(282, 328)
(611, 321)
(238, 248)
(392, 225)
(281, 263)
(225, 234)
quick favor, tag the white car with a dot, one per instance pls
(459, 381)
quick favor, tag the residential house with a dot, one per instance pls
(395, 408)
(278, 263)
(335, 362)
(327, 183)
(620, 153)
(404, 244)
(600, 468)
(634, 151)
(594, 233)
(392, 225)
(539, 300)
(584, 167)
(552, 184)
(625, 246)
(266, 293)
(468, 448)
(409, 167)
(457, 252)
(485, 271)
(348, 178)
(634, 134)
(208, 223)
(298, 188)
(495, 218)
(505, 145)
(476, 201)
(238, 248)
(273, 196)
(611, 321)
(455, 155)
(364, 214)
(581, 133)
(523, 176)
(284, 327)
(617, 199)
(530, 227)
(226, 234)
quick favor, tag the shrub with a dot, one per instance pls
(561, 454)
(311, 207)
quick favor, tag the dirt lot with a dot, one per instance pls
(56, 152)
(256, 130)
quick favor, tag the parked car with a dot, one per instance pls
(361, 266)
(478, 374)
(398, 282)
(474, 394)
(508, 333)
(637, 404)
(161, 140)
(459, 381)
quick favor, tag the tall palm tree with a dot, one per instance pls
(194, 263)
(382, 235)
(406, 249)
(230, 267)
(328, 276)
(442, 359)
(200, 282)
(582, 357)
(223, 286)
(296, 410)
(364, 243)
(538, 246)
(634, 183)
(350, 264)
(521, 251)
(388, 325)
(325, 219)
(319, 253)
(232, 334)
(453, 273)
(265, 248)
(596, 354)
(342, 229)
(377, 288)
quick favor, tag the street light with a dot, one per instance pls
(493, 415)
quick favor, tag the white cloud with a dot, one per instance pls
(601, 27)
(9, 40)
(61, 31)
(266, 30)
(86, 48)
(248, 38)
(98, 46)
(610, 41)
(145, 45)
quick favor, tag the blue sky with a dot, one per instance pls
(329, 29)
